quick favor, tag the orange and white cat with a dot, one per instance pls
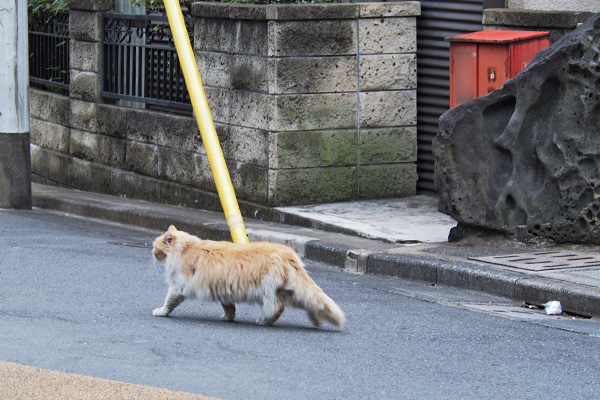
(266, 273)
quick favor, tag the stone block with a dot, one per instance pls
(142, 158)
(214, 68)
(84, 145)
(250, 73)
(388, 145)
(57, 167)
(406, 267)
(390, 108)
(219, 103)
(50, 136)
(49, 107)
(315, 112)
(142, 126)
(249, 145)
(312, 74)
(251, 38)
(202, 177)
(385, 181)
(304, 149)
(85, 56)
(312, 38)
(37, 102)
(89, 176)
(211, 10)
(135, 185)
(388, 72)
(282, 12)
(387, 35)
(39, 160)
(213, 35)
(175, 165)
(535, 18)
(87, 5)
(312, 185)
(558, 23)
(223, 133)
(178, 132)
(112, 121)
(85, 86)
(111, 151)
(85, 26)
(185, 196)
(399, 9)
(250, 181)
(252, 110)
(84, 115)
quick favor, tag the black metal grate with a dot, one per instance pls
(544, 261)
(49, 50)
(140, 61)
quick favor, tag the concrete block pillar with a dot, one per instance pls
(319, 99)
(15, 159)
(85, 28)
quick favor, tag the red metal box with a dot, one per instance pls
(482, 61)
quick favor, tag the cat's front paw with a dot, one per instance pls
(160, 312)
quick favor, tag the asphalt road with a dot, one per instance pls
(74, 298)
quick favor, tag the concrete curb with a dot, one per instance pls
(578, 299)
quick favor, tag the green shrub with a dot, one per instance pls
(46, 6)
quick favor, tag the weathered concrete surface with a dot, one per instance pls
(391, 220)
(15, 171)
(524, 160)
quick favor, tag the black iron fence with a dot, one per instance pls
(49, 50)
(139, 61)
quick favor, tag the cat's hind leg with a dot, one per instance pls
(272, 310)
(314, 318)
(228, 312)
(174, 298)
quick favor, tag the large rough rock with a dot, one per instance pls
(525, 160)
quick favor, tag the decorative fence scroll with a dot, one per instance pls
(139, 61)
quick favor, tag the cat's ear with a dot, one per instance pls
(172, 229)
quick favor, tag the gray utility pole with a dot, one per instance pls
(15, 157)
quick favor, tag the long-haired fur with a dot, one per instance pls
(266, 273)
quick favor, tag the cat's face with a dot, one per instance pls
(162, 245)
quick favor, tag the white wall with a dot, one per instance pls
(563, 5)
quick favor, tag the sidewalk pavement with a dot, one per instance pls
(31, 383)
(403, 238)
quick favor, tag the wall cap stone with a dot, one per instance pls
(534, 18)
(287, 12)
(87, 5)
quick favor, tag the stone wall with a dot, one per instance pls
(312, 103)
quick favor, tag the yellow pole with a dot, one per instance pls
(205, 122)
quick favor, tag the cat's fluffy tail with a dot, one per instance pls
(308, 295)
